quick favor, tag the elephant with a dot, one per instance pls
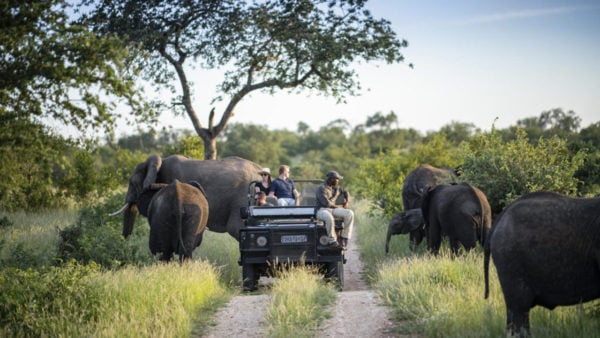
(225, 182)
(546, 249)
(403, 223)
(177, 214)
(415, 185)
(459, 211)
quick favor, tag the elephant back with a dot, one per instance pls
(225, 182)
(419, 181)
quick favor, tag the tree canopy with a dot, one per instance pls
(52, 68)
(263, 46)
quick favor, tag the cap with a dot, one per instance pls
(334, 174)
(265, 171)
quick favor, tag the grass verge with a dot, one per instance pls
(299, 303)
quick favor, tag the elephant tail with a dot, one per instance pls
(486, 268)
(178, 218)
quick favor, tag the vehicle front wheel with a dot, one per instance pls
(334, 272)
(250, 277)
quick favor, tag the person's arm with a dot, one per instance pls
(272, 189)
(323, 200)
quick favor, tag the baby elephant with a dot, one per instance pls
(177, 214)
(459, 211)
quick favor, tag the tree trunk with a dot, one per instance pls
(210, 147)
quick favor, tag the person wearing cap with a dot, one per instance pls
(327, 196)
(283, 188)
(265, 184)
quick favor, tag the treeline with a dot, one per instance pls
(41, 170)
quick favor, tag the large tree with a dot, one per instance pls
(51, 68)
(263, 45)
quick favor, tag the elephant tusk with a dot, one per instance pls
(119, 211)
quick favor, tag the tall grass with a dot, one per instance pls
(223, 252)
(30, 239)
(80, 301)
(299, 303)
(158, 301)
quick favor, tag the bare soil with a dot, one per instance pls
(357, 311)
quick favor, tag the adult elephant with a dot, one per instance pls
(225, 182)
(546, 249)
(459, 211)
(415, 186)
(177, 214)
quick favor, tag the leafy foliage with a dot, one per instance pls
(55, 69)
(29, 154)
(96, 237)
(381, 179)
(505, 171)
(45, 302)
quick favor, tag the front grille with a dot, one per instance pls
(292, 245)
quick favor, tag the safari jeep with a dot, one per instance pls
(275, 238)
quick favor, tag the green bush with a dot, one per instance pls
(97, 237)
(46, 302)
(505, 171)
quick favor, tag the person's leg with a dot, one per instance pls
(284, 202)
(348, 216)
(325, 215)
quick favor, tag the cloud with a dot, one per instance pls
(520, 14)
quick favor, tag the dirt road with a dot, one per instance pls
(357, 311)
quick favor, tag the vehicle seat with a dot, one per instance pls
(309, 195)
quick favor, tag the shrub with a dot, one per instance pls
(505, 171)
(96, 237)
(46, 302)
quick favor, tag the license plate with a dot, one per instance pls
(288, 239)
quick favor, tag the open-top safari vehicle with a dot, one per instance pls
(276, 237)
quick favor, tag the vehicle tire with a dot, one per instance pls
(250, 277)
(334, 272)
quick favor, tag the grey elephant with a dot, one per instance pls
(225, 182)
(415, 186)
(460, 212)
(177, 214)
(546, 249)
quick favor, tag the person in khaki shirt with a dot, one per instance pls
(327, 195)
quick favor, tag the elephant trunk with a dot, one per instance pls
(387, 239)
(129, 219)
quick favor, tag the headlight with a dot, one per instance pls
(261, 241)
(324, 240)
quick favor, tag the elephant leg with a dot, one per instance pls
(519, 299)
(166, 257)
(517, 323)
(434, 238)
(454, 246)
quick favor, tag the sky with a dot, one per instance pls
(490, 63)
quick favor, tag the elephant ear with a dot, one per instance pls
(198, 186)
(153, 164)
(412, 219)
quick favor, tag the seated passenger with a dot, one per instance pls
(265, 183)
(327, 196)
(283, 188)
(261, 200)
